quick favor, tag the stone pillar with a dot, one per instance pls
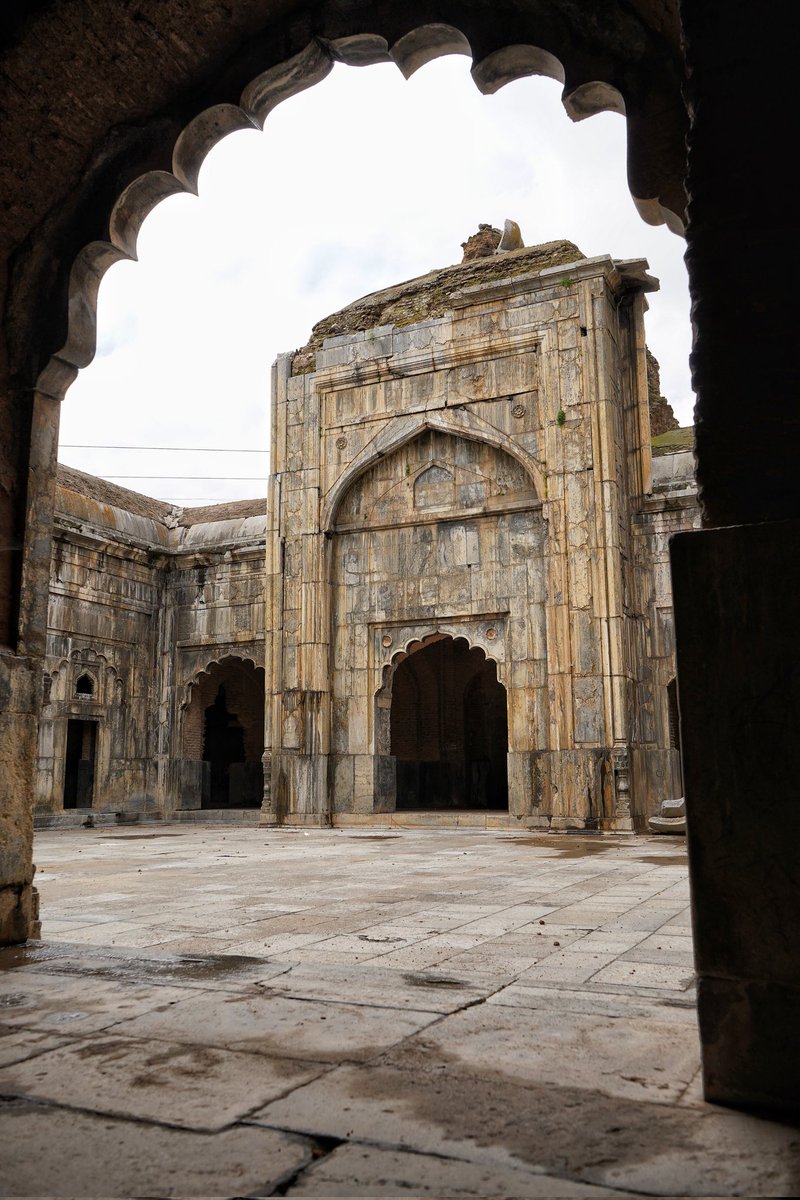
(21, 681)
(739, 673)
(35, 584)
(20, 684)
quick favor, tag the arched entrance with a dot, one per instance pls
(224, 729)
(449, 728)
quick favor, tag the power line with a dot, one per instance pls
(226, 478)
(209, 499)
(192, 449)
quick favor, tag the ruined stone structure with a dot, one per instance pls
(154, 672)
(465, 538)
(95, 130)
(468, 597)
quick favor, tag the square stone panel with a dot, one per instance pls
(191, 1086)
(280, 1026)
(358, 1170)
(63, 1004)
(49, 1151)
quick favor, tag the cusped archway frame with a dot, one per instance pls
(591, 83)
(189, 688)
(420, 641)
(458, 422)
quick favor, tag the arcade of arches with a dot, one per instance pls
(99, 113)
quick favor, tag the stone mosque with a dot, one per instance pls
(454, 603)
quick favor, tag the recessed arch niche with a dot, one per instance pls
(448, 727)
(436, 473)
(223, 729)
(425, 551)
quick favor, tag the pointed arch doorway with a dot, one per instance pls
(223, 735)
(449, 728)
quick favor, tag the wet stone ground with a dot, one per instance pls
(240, 1012)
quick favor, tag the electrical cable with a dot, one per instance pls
(188, 449)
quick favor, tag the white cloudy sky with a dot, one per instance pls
(361, 182)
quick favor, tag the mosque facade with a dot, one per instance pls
(455, 600)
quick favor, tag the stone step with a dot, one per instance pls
(71, 818)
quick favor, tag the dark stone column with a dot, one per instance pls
(739, 674)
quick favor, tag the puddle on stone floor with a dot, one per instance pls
(116, 965)
(434, 981)
(132, 837)
(569, 846)
(664, 860)
(372, 837)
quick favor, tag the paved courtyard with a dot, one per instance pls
(219, 1011)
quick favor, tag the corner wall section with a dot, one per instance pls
(297, 734)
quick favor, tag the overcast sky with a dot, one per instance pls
(361, 182)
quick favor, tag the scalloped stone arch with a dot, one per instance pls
(414, 49)
(419, 643)
(190, 684)
(385, 698)
(402, 430)
(225, 698)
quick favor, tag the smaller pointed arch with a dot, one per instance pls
(459, 422)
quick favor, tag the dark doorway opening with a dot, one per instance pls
(79, 764)
(223, 748)
(449, 729)
(223, 737)
(230, 778)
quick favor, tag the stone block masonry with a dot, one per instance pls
(467, 456)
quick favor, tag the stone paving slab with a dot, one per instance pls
(583, 1134)
(279, 1026)
(646, 974)
(361, 1170)
(438, 991)
(595, 1002)
(53, 1002)
(237, 1011)
(19, 1044)
(152, 965)
(49, 1151)
(193, 1087)
(635, 1058)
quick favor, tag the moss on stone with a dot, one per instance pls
(674, 441)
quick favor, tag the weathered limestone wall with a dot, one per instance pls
(484, 474)
(142, 600)
(671, 508)
(215, 614)
(429, 559)
(106, 594)
(474, 471)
